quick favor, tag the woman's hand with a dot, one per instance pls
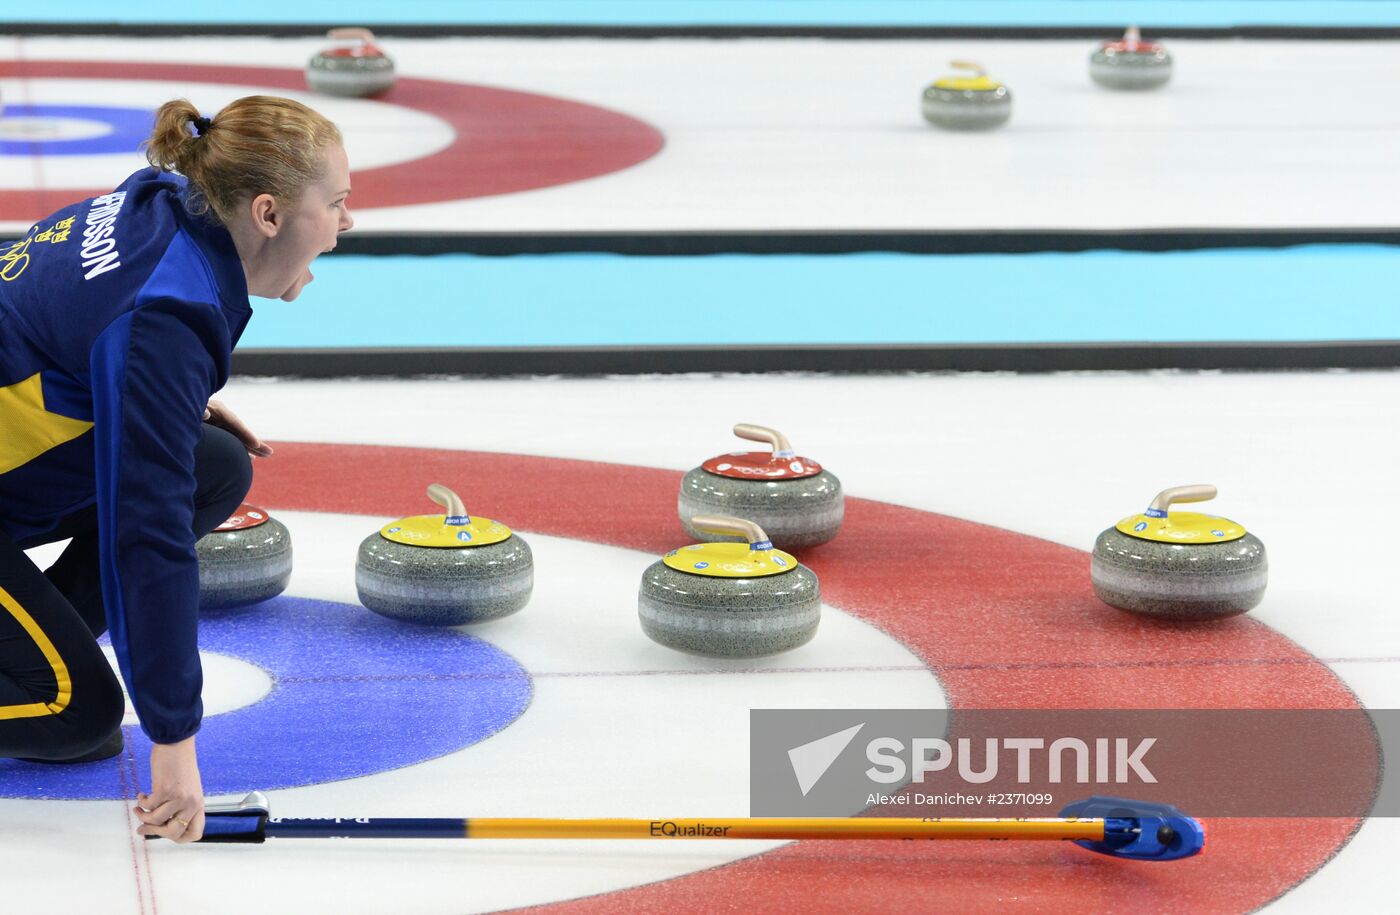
(175, 807)
(219, 415)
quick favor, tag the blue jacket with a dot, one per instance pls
(117, 319)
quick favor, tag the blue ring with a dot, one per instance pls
(353, 694)
(130, 128)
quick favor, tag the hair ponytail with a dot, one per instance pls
(260, 144)
(172, 144)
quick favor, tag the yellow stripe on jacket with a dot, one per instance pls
(27, 430)
(60, 669)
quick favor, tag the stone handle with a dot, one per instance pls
(972, 65)
(781, 446)
(723, 524)
(456, 510)
(1198, 492)
(1133, 35)
(351, 34)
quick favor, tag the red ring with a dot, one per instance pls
(1003, 619)
(505, 141)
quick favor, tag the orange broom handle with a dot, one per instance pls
(785, 828)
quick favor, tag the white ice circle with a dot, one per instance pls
(38, 128)
(377, 134)
(229, 684)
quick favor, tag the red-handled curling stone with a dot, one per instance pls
(1130, 63)
(245, 560)
(797, 502)
(354, 66)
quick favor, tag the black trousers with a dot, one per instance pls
(59, 697)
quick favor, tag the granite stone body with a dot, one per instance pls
(1130, 69)
(444, 586)
(1179, 581)
(794, 513)
(241, 567)
(967, 109)
(729, 617)
(350, 76)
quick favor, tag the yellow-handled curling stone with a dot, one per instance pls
(793, 498)
(729, 600)
(444, 570)
(1179, 565)
(1130, 63)
(975, 102)
(245, 560)
(353, 66)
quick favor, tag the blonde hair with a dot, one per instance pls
(259, 144)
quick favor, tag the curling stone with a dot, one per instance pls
(1179, 565)
(1130, 63)
(791, 497)
(353, 66)
(444, 570)
(729, 600)
(245, 560)
(975, 102)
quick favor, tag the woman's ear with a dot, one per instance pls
(265, 214)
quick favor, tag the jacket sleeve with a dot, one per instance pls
(153, 370)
